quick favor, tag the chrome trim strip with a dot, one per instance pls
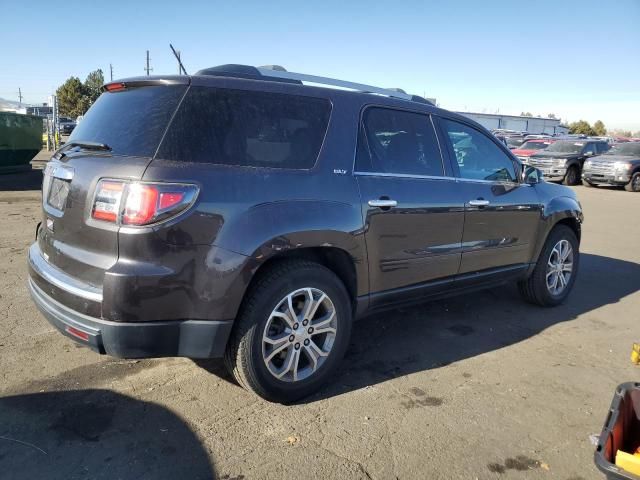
(60, 279)
(432, 177)
(63, 172)
(402, 175)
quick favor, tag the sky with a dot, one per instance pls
(576, 59)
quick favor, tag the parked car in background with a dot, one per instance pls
(618, 166)
(66, 125)
(562, 161)
(530, 147)
(515, 141)
(222, 215)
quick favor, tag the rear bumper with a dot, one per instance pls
(179, 338)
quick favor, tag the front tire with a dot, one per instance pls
(555, 271)
(634, 183)
(292, 331)
(572, 177)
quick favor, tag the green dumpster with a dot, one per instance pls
(20, 140)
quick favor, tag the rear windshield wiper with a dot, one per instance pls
(85, 145)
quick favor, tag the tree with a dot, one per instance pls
(75, 97)
(93, 86)
(599, 128)
(526, 114)
(581, 127)
(552, 115)
(71, 101)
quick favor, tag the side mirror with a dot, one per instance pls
(531, 175)
(589, 153)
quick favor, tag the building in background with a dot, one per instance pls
(493, 121)
(43, 110)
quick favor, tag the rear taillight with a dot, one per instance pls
(106, 205)
(138, 203)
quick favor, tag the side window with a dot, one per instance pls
(245, 128)
(393, 141)
(478, 157)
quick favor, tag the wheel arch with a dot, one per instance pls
(559, 211)
(336, 259)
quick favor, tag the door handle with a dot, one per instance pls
(383, 203)
(479, 202)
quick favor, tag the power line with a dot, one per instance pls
(148, 68)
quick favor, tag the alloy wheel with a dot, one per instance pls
(299, 334)
(559, 267)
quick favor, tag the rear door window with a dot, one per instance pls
(130, 121)
(398, 142)
(246, 128)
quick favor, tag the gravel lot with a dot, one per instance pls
(481, 386)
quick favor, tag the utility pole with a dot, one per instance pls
(20, 95)
(148, 69)
(111, 70)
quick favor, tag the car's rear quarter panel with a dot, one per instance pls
(245, 216)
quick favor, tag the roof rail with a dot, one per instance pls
(359, 87)
(277, 73)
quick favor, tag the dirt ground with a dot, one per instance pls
(480, 386)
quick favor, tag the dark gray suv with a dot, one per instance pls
(239, 213)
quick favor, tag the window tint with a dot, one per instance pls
(392, 141)
(239, 127)
(131, 121)
(478, 157)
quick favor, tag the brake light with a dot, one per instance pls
(115, 87)
(139, 204)
(169, 199)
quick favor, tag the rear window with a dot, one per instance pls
(130, 121)
(245, 128)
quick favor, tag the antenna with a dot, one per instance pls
(20, 95)
(177, 55)
(111, 70)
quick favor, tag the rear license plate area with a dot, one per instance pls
(58, 193)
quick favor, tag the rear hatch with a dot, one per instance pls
(117, 139)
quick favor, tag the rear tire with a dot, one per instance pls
(539, 287)
(265, 344)
(572, 177)
(634, 183)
